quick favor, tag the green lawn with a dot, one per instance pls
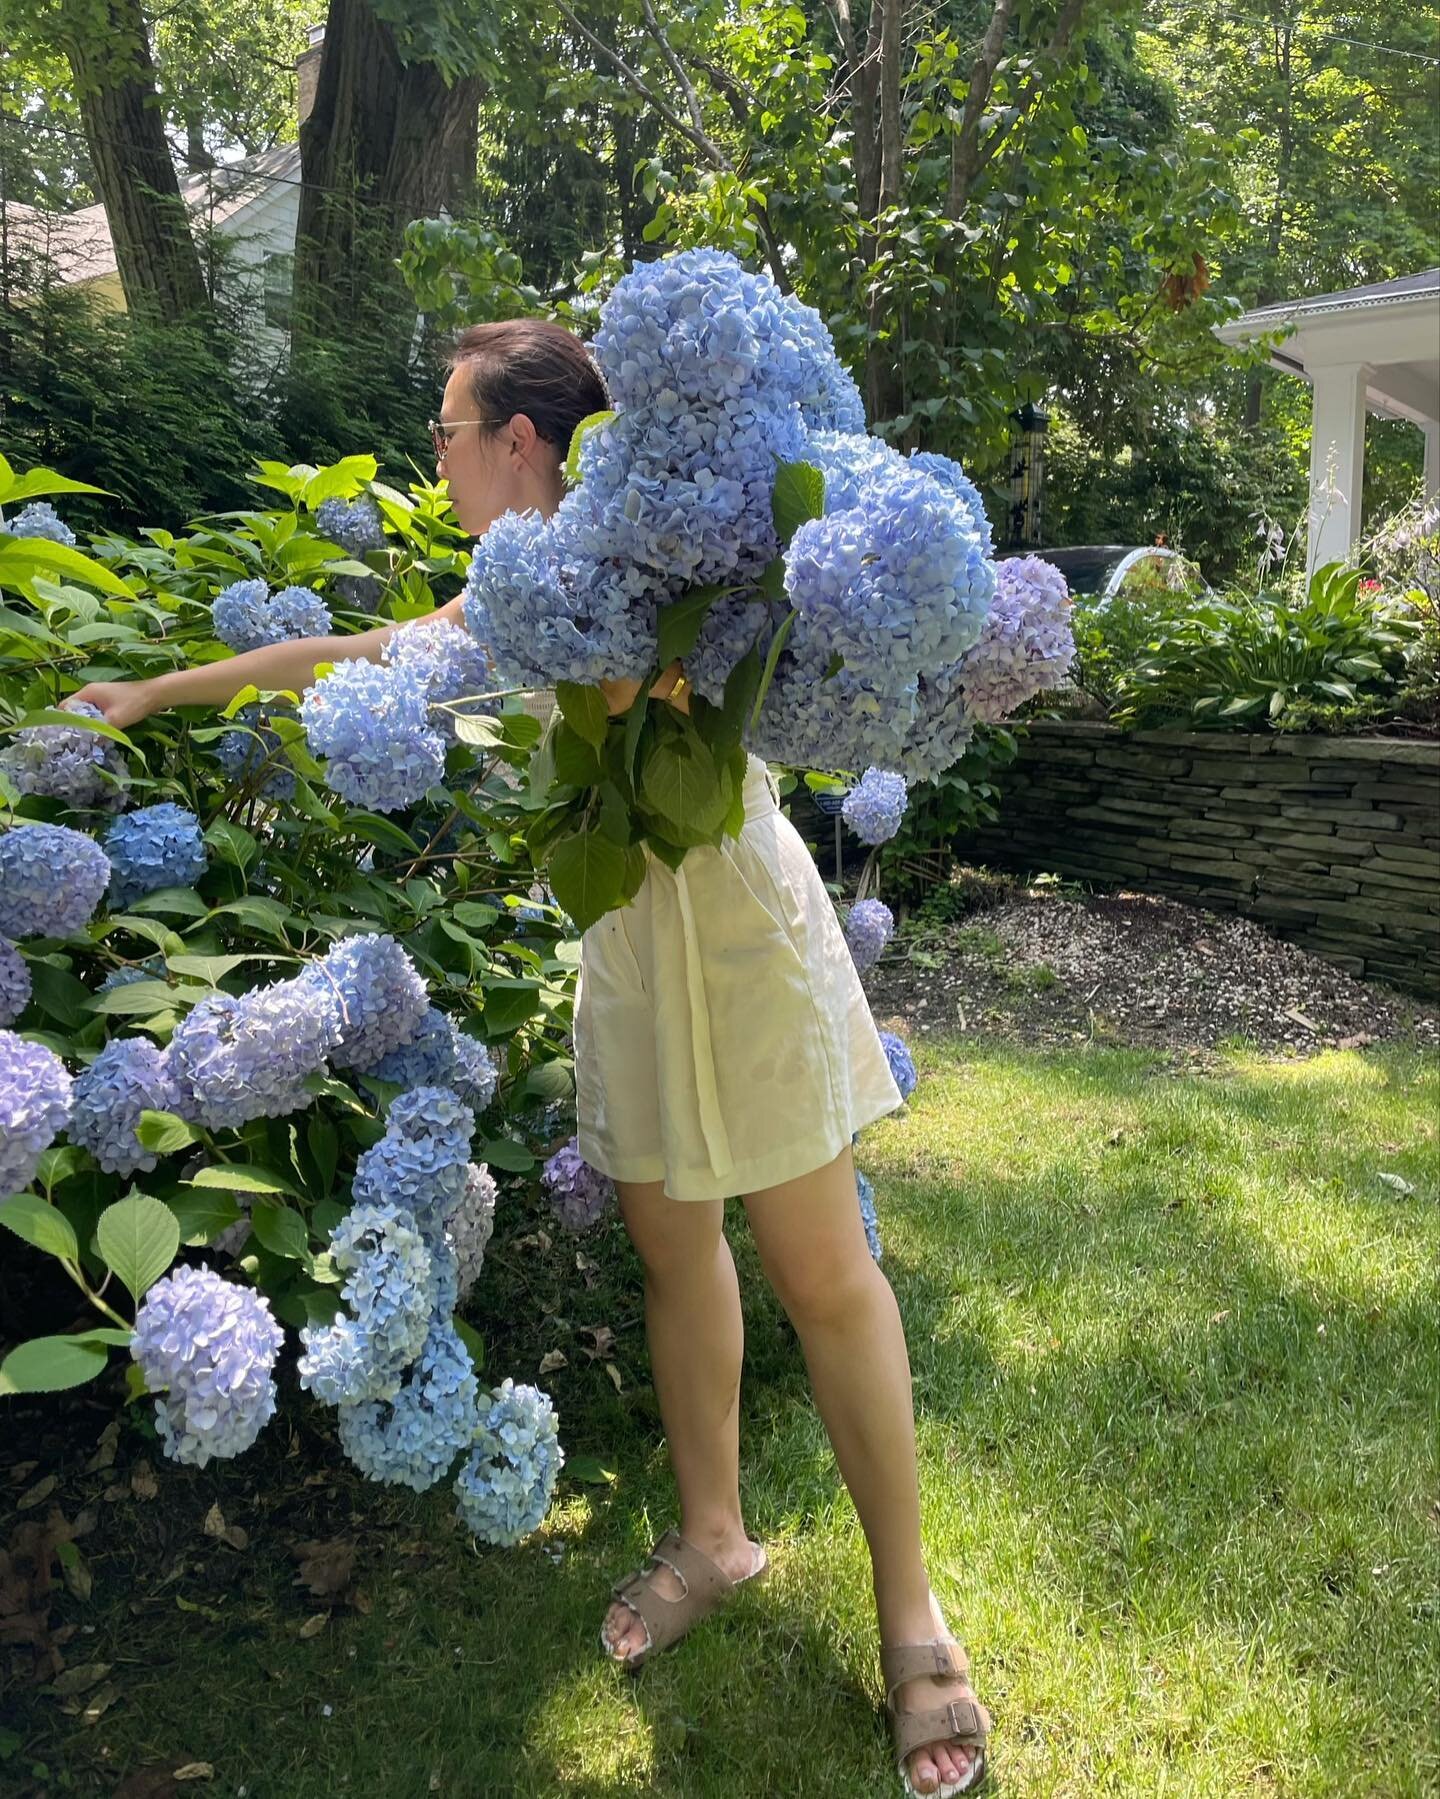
(1176, 1362)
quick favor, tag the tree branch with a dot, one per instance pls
(965, 145)
(701, 139)
(1059, 42)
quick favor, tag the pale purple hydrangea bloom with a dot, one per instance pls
(208, 1347)
(869, 927)
(414, 1439)
(390, 1286)
(578, 1193)
(154, 847)
(51, 880)
(470, 1226)
(505, 1487)
(902, 1064)
(129, 1076)
(14, 983)
(868, 1217)
(874, 808)
(237, 1059)
(40, 519)
(35, 1089)
(376, 993)
(1026, 645)
(242, 752)
(371, 723)
(67, 762)
(247, 616)
(355, 525)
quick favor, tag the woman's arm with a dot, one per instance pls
(288, 666)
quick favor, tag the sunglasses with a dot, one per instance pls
(441, 431)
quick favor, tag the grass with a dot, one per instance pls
(1175, 1357)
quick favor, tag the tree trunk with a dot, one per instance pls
(385, 143)
(134, 176)
(884, 388)
(1275, 231)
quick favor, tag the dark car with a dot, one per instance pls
(1100, 571)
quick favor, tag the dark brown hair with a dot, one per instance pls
(535, 367)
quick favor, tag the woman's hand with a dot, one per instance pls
(121, 703)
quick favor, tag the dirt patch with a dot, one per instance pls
(1048, 966)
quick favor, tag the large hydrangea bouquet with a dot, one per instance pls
(833, 601)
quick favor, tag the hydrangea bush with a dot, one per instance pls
(271, 1063)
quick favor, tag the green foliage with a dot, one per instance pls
(1245, 661)
(921, 857)
(286, 878)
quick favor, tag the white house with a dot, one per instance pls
(252, 205)
(1368, 349)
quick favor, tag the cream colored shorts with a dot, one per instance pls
(723, 1042)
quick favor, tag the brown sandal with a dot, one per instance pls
(959, 1723)
(667, 1620)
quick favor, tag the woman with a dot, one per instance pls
(684, 1100)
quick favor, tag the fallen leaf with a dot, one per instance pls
(614, 1374)
(325, 1568)
(314, 1625)
(143, 1483)
(604, 1340)
(215, 1526)
(21, 1472)
(1397, 1183)
(553, 1359)
(41, 1490)
(104, 1455)
(79, 1679)
(78, 1579)
(91, 1710)
(116, 1490)
(196, 1771)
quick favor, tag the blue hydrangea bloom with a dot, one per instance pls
(246, 615)
(371, 723)
(578, 1193)
(51, 880)
(733, 626)
(35, 1090)
(447, 661)
(243, 751)
(868, 1218)
(40, 519)
(825, 388)
(951, 476)
(869, 927)
(1027, 643)
(390, 1287)
(208, 1348)
(151, 969)
(355, 525)
(874, 808)
(129, 1075)
(815, 719)
(376, 993)
(67, 762)
(505, 1487)
(154, 847)
(441, 1055)
(414, 1440)
(902, 1065)
(421, 1163)
(14, 983)
(361, 593)
(237, 1059)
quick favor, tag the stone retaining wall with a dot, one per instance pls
(1333, 841)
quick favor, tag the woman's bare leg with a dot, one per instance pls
(696, 1336)
(812, 1244)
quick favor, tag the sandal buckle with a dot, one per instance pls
(964, 1720)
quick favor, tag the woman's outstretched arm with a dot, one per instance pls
(288, 666)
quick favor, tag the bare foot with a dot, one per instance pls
(734, 1555)
(934, 1768)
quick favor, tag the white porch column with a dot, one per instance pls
(1337, 460)
(1432, 459)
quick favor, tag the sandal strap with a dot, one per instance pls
(962, 1723)
(666, 1619)
(900, 1662)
